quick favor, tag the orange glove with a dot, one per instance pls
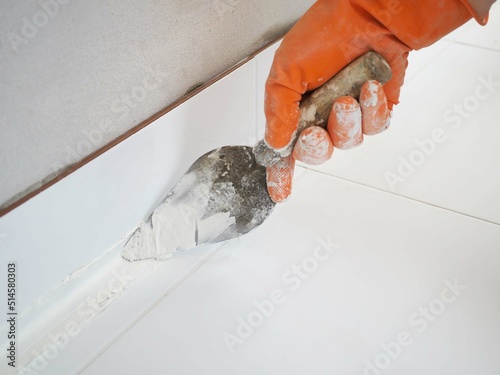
(328, 37)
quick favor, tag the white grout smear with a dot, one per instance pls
(179, 222)
(172, 226)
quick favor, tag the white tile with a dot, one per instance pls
(460, 173)
(263, 62)
(71, 224)
(86, 213)
(482, 36)
(394, 256)
(422, 59)
(223, 114)
(135, 288)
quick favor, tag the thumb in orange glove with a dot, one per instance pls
(327, 38)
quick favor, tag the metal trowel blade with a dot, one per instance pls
(222, 196)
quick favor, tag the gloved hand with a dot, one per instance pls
(328, 37)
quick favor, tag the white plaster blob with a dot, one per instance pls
(174, 227)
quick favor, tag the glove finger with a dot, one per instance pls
(279, 179)
(281, 107)
(344, 123)
(376, 116)
(398, 60)
(314, 146)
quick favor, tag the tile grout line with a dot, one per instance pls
(400, 196)
(430, 61)
(147, 311)
(472, 45)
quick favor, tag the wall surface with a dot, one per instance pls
(74, 75)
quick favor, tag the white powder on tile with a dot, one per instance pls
(133, 249)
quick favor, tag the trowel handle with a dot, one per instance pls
(316, 106)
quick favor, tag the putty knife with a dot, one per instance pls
(224, 195)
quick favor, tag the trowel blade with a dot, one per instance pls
(222, 196)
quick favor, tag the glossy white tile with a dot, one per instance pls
(122, 295)
(336, 275)
(263, 62)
